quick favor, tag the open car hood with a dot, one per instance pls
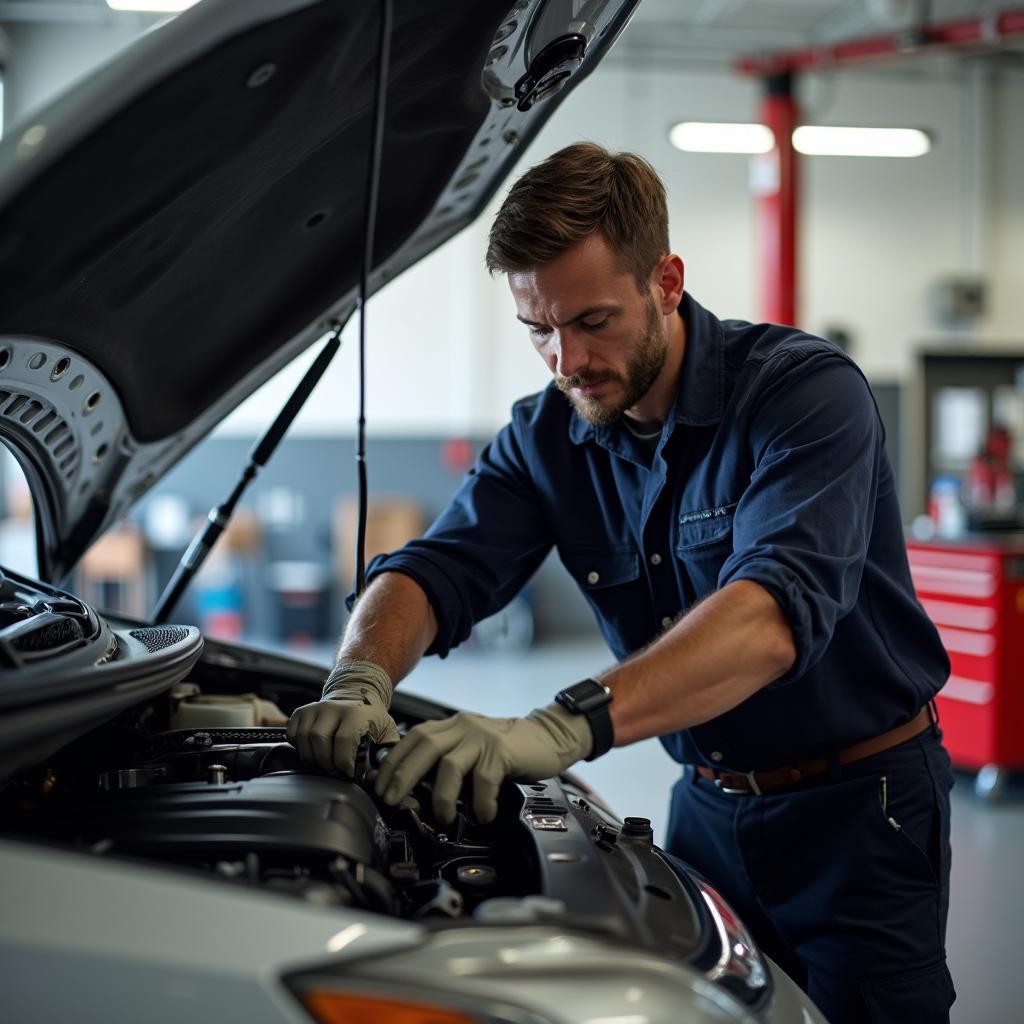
(184, 222)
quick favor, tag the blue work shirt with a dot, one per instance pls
(771, 467)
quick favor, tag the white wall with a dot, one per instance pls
(44, 58)
(445, 353)
(1007, 208)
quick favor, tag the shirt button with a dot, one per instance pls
(593, 577)
(717, 755)
(666, 622)
(655, 559)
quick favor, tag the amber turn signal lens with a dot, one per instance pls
(346, 1008)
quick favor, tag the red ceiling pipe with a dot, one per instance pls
(986, 30)
(776, 182)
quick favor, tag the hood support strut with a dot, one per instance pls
(259, 455)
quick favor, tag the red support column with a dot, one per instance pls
(777, 185)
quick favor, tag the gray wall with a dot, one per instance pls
(322, 472)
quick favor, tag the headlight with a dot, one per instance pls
(514, 975)
(329, 1007)
(739, 968)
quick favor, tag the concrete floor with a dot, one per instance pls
(987, 901)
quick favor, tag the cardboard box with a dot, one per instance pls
(390, 522)
(112, 572)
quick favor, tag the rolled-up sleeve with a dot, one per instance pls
(802, 528)
(483, 547)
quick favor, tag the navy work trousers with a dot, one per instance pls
(843, 881)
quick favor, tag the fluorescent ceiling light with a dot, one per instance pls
(153, 6)
(809, 139)
(819, 140)
(709, 137)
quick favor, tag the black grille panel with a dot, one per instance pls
(156, 638)
(55, 634)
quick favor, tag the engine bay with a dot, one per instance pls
(198, 777)
(147, 745)
(239, 803)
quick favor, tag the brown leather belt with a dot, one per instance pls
(764, 782)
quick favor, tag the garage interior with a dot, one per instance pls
(914, 265)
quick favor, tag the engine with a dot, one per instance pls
(120, 741)
(238, 802)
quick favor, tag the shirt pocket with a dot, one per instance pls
(609, 578)
(599, 569)
(703, 543)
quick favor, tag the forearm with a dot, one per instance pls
(720, 653)
(391, 625)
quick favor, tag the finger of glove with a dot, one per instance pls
(293, 722)
(487, 780)
(345, 745)
(451, 772)
(358, 724)
(305, 719)
(394, 759)
(413, 763)
(335, 723)
(385, 732)
(439, 726)
(404, 748)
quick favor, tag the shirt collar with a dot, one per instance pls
(700, 398)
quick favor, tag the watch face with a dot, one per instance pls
(584, 696)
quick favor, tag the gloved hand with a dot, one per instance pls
(354, 705)
(538, 746)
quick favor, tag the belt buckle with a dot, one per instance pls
(732, 791)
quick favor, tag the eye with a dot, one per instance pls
(536, 331)
(596, 325)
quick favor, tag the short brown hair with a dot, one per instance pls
(573, 193)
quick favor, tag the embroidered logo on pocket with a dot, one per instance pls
(707, 513)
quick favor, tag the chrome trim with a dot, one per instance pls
(739, 957)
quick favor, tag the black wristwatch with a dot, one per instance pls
(591, 698)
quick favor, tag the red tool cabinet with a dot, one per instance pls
(973, 590)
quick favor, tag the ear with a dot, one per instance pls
(667, 281)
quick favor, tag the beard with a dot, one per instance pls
(642, 369)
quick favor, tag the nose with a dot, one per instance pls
(571, 354)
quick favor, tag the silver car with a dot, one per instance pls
(172, 233)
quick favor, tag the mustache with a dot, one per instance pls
(579, 380)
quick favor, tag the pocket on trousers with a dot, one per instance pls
(917, 819)
(923, 996)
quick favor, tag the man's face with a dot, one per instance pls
(602, 338)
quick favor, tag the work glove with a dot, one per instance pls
(354, 706)
(541, 745)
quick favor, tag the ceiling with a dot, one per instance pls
(694, 32)
(719, 31)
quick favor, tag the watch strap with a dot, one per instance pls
(591, 699)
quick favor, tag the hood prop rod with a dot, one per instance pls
(259, 455)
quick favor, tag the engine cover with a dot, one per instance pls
(284, 814)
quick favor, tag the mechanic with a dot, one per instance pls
(721, 494)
